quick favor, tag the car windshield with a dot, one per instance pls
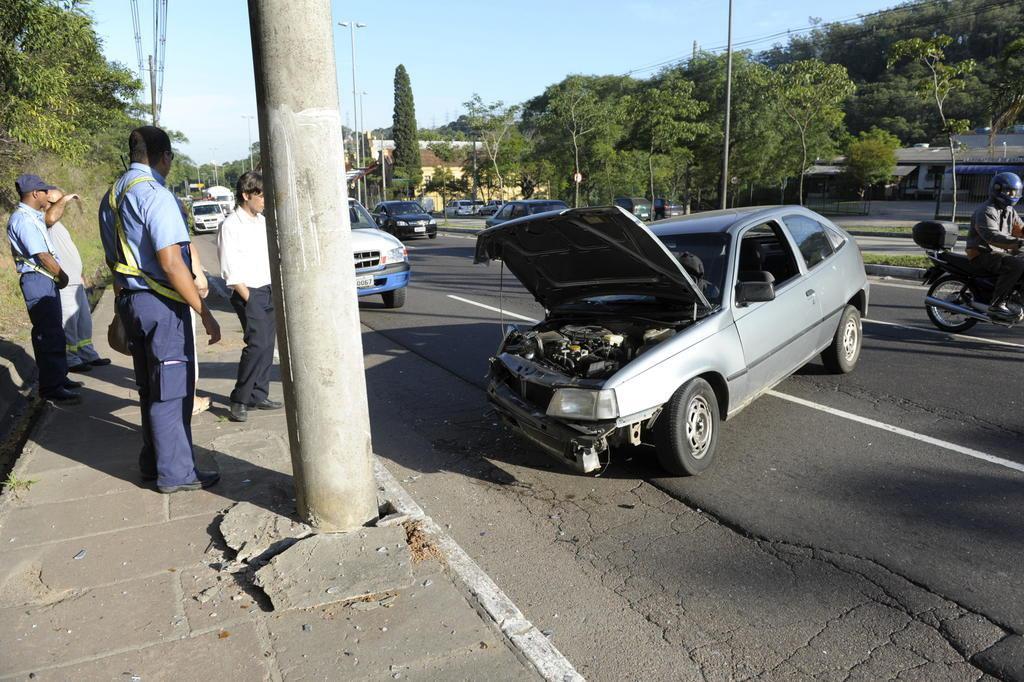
(712, 249)
(547, 206)
(206, 210)
(360, 217)
(405, 207)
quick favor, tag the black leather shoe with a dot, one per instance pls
(63, 396)
(82, 367)
(1000, 311)
(268, 404)
(204, 479)
(71, 384)
(100, 362)
(239, 412)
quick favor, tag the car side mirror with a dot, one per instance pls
(758, 291)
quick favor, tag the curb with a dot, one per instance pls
(896, 271)
(461, 230)
(528, 643)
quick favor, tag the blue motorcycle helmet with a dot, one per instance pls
(1005, 189)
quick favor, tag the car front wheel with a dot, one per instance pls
(394, 298)
(686, 433)
(842, 354)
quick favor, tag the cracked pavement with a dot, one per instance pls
(815, 548)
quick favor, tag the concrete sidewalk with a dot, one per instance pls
(102, 577)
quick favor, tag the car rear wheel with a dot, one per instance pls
(686, 433)
(394, 298)
(842, 355)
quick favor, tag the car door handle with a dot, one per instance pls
(809, 293)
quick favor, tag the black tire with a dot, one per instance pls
(433, 235)
(394, 298)
(686, 433)
(842, 355)
(942, 319)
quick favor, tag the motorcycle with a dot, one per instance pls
(958, 294)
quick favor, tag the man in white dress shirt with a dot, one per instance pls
(245, 266)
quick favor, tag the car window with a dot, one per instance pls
(404, 207)
(810, 237)
(518, 210)
(358, 216)
(712, 249)
(764, 248)
(506, 211)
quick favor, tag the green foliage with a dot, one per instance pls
(490, 123)
(407, 151)
(1006, 102)
(871, 158)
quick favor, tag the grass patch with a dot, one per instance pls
(901, 261)
(17, 485)
(896, 229)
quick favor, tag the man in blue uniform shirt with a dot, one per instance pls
(146, 241)
(41, 277)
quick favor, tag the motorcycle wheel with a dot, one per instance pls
(948, 289)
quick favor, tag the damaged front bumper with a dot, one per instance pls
(578, 445)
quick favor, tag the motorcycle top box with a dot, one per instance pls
(932, 235)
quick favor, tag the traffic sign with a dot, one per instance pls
(577, 178)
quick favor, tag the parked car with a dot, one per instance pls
(404, 219)
(381, 260)
(491, 207)
(638, 206)
(517, 209)
(663, 208)
(207, 216)
(655, 335)
(458, 207)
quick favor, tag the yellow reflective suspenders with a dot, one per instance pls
(130, 267)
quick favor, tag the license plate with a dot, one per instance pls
(419, 229)
(364, 281)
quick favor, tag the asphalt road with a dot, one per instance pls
(818, 479)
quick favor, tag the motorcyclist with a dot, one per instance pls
(996, 224)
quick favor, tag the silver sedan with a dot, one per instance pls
(654, 335)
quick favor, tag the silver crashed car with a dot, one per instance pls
(657, 334)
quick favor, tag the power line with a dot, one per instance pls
(137, 26)
(162, 52)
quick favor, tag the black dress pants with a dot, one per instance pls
(260, 329)
(1008, 267)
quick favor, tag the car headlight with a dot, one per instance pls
(584, 404)
(396, 255)
(401, 223)
(432, 222)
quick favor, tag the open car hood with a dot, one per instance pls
(577, 253)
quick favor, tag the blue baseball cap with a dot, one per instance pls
(31, 183)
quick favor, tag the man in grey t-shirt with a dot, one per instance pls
(82, 357)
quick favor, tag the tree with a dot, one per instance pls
(491, 123)
(665, 118)
(810, 94)
(871, 158)
(939, 81)
(407, 149)
(576, 109)
(444, 182)
(56, 87)
(1007, 101)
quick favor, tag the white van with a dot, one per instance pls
(207, 216)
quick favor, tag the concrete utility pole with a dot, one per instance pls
(152, 88)
(313, 273)
(728, 107)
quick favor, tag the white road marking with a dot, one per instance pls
(953, 447)
(492, 308)
(980, 339)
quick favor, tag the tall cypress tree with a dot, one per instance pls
(407, 150)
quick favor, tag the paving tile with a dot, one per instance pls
(88, 623)
(233, 653)
(77, 482)
(34, 524)
(116, 556)
(213, 598)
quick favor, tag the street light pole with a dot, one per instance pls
(366, 152)
(213, 161)
(248, 125)
(310, 243)
(728, 107)
(352, 26)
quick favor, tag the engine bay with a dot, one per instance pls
(586, 351)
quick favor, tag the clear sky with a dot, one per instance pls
(452, 48)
